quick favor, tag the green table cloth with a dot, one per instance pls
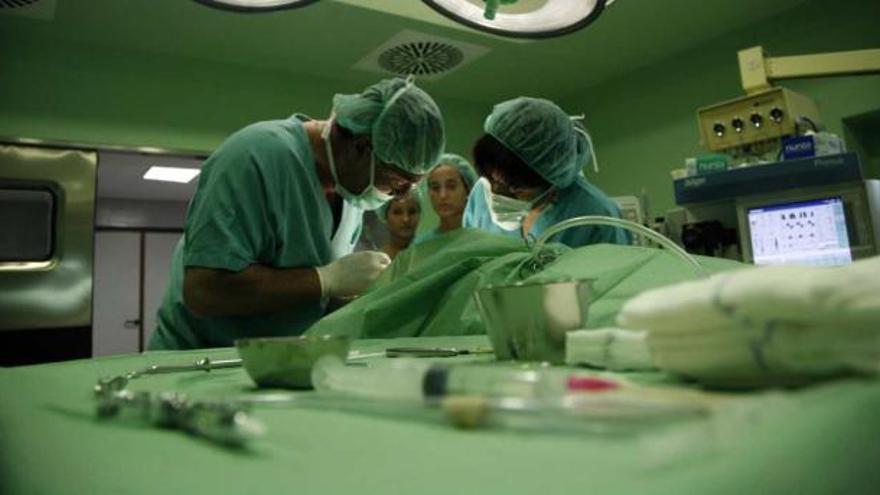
(820, 439)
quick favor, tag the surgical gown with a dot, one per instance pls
(579, 199)
(259, 201)
(429, 235)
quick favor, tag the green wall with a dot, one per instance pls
(85, 94)
(644, 124)
(79, 93)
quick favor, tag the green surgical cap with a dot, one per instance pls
(468, 174)
(404, 123)
(541, 135)
(382, 212)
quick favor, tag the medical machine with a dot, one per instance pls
(826, 226)
(777, 189)
(754, 125)
(815, 211)
(632, 208)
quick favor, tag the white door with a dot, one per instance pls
(117, 286)
(158, 248)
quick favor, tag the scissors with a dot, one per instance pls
(421, 352)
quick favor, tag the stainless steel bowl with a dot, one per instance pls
(286, 362)
(528, 321)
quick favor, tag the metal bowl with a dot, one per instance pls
(528, 320)
(286, 362)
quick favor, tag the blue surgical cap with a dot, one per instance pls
(404, 123)
(543, 136)
(467, 172)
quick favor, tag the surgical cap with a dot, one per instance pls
(468, 174)
(543, 136)
(404, 123)
(382, 212)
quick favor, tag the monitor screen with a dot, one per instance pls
(803, 233)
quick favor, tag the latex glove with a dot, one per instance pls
(350, 275)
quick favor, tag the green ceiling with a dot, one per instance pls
(327, 38)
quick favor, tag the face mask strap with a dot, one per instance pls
(578, 121)
(328, 147)
(325, 132)
(372, 169)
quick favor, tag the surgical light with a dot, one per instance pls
(171, 174)
(255, 5)
(522, 18)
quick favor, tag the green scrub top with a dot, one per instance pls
(259, 201)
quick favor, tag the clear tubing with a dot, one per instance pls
(619, 222)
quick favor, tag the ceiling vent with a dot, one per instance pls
(426, 56)
(36, 9)
(11, 4)
(421, 58)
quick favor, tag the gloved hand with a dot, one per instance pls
(350, 275)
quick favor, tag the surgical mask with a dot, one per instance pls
(371, 198)
(508, 213)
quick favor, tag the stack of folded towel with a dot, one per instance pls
(611, 348)
(764, 325)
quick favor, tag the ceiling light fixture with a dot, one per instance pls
(522, 18)
(255, 5)
(172, 174)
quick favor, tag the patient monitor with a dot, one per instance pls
(814, 211)
(827, 226)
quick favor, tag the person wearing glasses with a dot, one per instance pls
(531, 159)
(278, 209)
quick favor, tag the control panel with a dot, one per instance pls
(755, 123)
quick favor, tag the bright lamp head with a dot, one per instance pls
(523, 18)
(255, 5)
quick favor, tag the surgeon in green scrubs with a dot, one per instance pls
(270, 230)
(531, 159)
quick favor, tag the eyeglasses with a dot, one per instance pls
(500, 186)
(400, 181)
